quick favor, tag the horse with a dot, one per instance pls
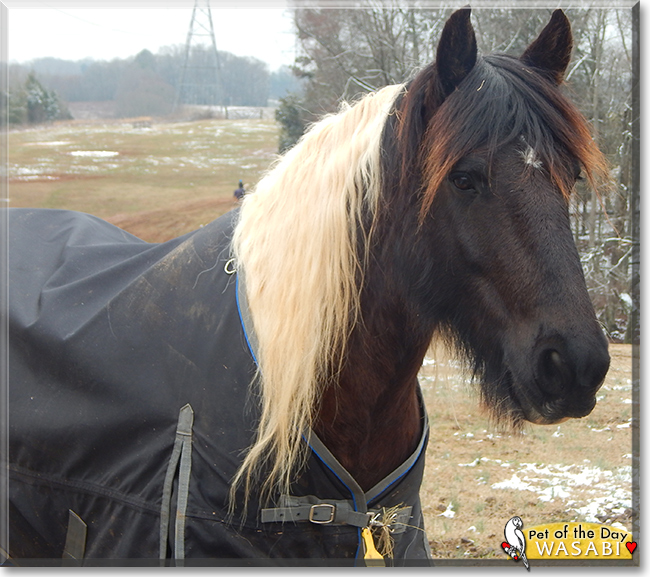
(247, 393)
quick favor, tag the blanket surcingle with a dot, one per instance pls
(131, 407)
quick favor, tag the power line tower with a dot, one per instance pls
(201, 80)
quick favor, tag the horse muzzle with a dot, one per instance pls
(566, 375)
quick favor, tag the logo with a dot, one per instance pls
(515, 543)
(565, 541)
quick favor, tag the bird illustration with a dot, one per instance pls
(516, 542)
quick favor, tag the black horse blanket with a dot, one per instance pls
(131, 405)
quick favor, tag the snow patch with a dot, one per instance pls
(94, 153)
(449, 512)
(472, 464)
(49, 143)
(600, 489)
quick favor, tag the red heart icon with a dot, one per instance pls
(631, 546)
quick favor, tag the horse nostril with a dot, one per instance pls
(555, 374)
(595, 371)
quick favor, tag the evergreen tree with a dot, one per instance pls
(292, 121)
(33, 103)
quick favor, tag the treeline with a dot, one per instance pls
(150, 84)
(348, 52)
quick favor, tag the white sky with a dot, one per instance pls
(62, 30)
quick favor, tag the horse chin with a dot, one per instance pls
(532, 415)
(552, 411)
(519, 400)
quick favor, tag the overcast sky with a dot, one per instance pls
(61, 29)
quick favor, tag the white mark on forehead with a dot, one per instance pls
(531, 158)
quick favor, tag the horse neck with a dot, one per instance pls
(369, 416)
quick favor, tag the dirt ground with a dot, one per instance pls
(477, 477)
(163, 224)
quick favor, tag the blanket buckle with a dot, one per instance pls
(322, 513)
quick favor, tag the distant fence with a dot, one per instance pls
(231, 112)
(106, 111)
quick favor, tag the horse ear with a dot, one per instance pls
(456, 55)
(551, 52)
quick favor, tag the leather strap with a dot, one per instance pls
(181, 462)
(75, 541)
(329, 512)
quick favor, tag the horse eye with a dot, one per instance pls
(462, 181)
(578, 174)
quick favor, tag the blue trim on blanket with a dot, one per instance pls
(241, 320)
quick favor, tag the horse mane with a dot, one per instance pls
(523, 105)
(296, 243)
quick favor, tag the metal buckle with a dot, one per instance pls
(312, 512)
(229, 267)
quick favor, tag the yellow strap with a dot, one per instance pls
(372, 557)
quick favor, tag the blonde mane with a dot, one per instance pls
(296, 245)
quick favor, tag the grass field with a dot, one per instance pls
(157, 182)
(161, 181)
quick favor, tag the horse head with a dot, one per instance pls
(491, 150)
